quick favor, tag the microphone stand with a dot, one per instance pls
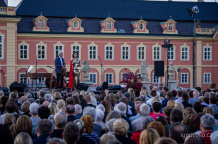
(102, 69)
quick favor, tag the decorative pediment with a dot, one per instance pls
(74, 25)
(107, 25)
(207, 31)
(140, 26)
(40, 24)
(169, 27)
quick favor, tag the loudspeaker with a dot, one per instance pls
(159, 68)
(82, 86)
(115, 87)
(17, 86)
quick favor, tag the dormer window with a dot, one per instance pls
(170, 26)
(140, 26)
(40, 24)
(107, 25)
(74, 25)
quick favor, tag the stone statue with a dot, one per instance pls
(143, 70)
(85, 70)
(171, 71)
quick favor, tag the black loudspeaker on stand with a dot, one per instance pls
(159, 68)
(17, 86)
(82, 86)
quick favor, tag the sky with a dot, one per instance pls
(16, 2)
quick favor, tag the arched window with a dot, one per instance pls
(75, 24)
(41, 24)
(141, 26)
(108, 25)
(170, 26)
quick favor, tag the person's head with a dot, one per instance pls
(75, 55)
(167, 110)
(53, 108)
(68, 90)
(101, 107)
(208, 110)
(105, 104)
(9, 119)
(90, 111)
(76, 100)
(197, 107)
(60, 119)
(80, 124)
(69, 101)
(13, 95)
(48, 97)
(57, 96)
(207, 122)
(179, 106)
(206, 100)
(120, 127)
(214, 137)
(180, 92)
(25, 107)
(171, 103)
(176, 116)
(153, 93)
(113, 98)
(61, 105)
(34, 108)
(127, 95)
(6, 136)
(169, 95)
(42, 93)
(156, 106)
(213, 86)
(71, 133)
(189, 110)
(121, 108)
(137, 107)
(78, 109)
(174, 92)
(45, 103)
(165, 89)
(201, 99)
(88, 99)
(4, 100)
(1, 92)
(23, 99)
(41, 100)
(194, 139)
(88, 122)
(195, 121)
(55, 141)
(162, 120)
(144, 110)
(11, 107)
(60, 53)
(99, 115)
(23, 138)
(165, 140)
(109, 102)
(106, 137)
(190, 94)
(158, 126)
(213, 99)
(24, 124)
(148, 136)
(177, 132)
(184, 97)
(113, 114)
(43, 112)
(147, 120)
(31, 100)
(44, 127)
(70, 109)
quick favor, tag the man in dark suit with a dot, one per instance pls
(69, 92)
(59, 64)
(70, 110)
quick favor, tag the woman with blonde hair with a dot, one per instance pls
(180, 106)
(23, 138)
(106, 137)
(113, 99)
(171, 103)
(61, 105)
(208, 110)
(82, 92)
(143, 96)
(148, 136)
(132, 95)
(53, 110)
(57, 96)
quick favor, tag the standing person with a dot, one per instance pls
(74, 77)
(59, 64)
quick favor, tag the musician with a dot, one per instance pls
(59, 64)
(74, 76)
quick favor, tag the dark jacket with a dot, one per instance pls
(97, 129)
(125, 140)
(42, 139)
(186, 104)
(133, 108)
(71, 118)
(91, 138)
(58, 66)
(79, 115)
(57, 133)
(129, 122)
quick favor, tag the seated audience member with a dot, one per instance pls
(48, 97)
(107, 137)
(99, 117)
(193, 97)
(194, 139)
(89, 101)
(43, 112)
(137, 109)
(92, 113)
(167, 110)
(44, 130)
(78, 111)
(214, 137)
(14, 96)
(206, 126)
(4, 100)
(156, 107)
(61, 105)
(24, 124)
(69, 92)
(171, 103)
(165, 140)
(23, 138)
(121, 127)
(121, 108)
(34, 116)
(162, 120)
(158, 126)
(10, 108)
(168, 96)
(136, 135)
(25, 109)
(60, 119)
(53, 110)
(144, 112)
(213, 101)
(101, 107)
(6, 136)
(127, 95)
(197, 107)
(88, 136)
(148, 136)
(70, 111)
(179, 96)
(185, 101)
(195, 121)
(153, 94)
(174, 92)
(55, 141)
(178, 132)
(71, 133)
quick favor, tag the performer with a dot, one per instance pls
(59, 64)
(74, 77)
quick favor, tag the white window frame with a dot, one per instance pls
(171, 53)
(109, 25)
(73, 47)
(206, 75)
(38, 56)
(156, 52)
(155, 80)
(41, 22)
(127, 52)
(91, 56)
(142, 26)
(139, 56)
(2, 47)
(23, 79)
(182, 77)
(27, 46)
(184, 51)
(56, 51)
(109, 51)
(170, 26)
(111, 78)
(92, 77)
(208, 52)
(77, 24)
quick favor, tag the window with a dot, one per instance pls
(141, 52)
(41, 51)
(57, 49)
(125, 52)
(109, 78)
(22, 78)
(207, 78)
(170, 26)
(156, 53)
(75, 24)
(92, 52)
(171, 53)
(23, 52)
(141, 26)
(109, 52)
(207, 53)
(155, 79)
(41, 24)
(93, 77)
(1, 46)
(108, 25)
(185, 53)
(184, 78)
(76, 48)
